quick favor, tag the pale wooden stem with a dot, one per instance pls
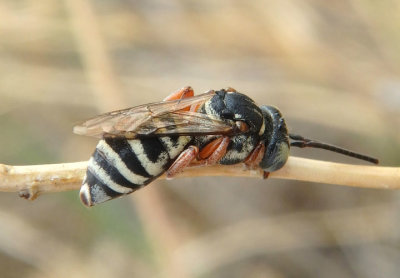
(30, 181)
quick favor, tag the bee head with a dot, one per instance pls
(276, 140)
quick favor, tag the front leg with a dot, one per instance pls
(255, 157)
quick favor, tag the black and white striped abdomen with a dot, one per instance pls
(120, 166)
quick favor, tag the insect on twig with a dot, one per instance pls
(139, 144)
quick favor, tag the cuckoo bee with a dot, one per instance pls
(139, 144)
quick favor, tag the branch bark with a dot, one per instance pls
(30, 181)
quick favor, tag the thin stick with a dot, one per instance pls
(29, 181)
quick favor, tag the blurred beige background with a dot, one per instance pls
(332, 67)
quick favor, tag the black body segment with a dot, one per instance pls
(124, 150)
(99, 185)
(153, 148)
(113, 172)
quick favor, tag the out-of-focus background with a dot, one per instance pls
(332, 67)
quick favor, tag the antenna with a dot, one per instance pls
(301, 142)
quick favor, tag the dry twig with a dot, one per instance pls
(30, 181)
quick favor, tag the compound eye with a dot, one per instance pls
(242, 126)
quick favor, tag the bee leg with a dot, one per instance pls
(214, 151)
(209, 148)
(195, 107)
(230, 89)
(183, 160)
(185, 92)
(255, 157)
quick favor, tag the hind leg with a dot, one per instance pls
(184, 159)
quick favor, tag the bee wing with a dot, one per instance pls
(155, 119)
(186, 123)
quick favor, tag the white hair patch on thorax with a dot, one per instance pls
(240, 155)
(209, 109)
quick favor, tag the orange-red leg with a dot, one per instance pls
(210, 154)
(195, 107)
(210, 148)
(183, 160)
(214, 151)
(185, 92)
(230, 89)
(182, 93)
(255, 157)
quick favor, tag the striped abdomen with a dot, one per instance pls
(120, 166)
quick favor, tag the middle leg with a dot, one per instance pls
(214, 151)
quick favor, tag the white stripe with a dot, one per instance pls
(117, 162)
(262, 129)
(175, 149)
(105, 178)
(153, 168)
